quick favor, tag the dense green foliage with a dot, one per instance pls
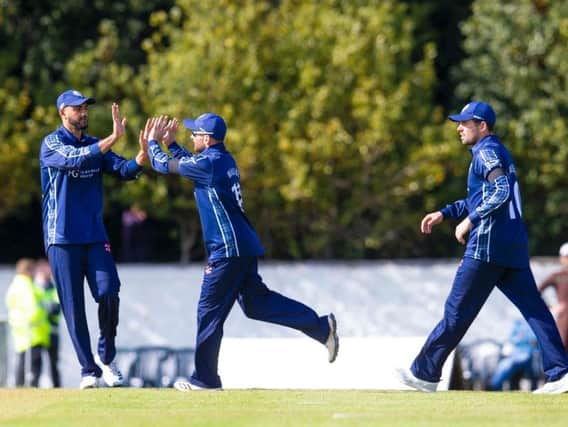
(517, 54)
(318, 99)
(336, 109)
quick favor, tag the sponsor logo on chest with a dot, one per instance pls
(82, 174)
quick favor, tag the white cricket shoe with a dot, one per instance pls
(407, 377)
(187, 386)
(88, 381)
(111, 374)
(554, 387)
(332, 342)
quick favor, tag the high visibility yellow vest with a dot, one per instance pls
(49, 298)
(27, 318)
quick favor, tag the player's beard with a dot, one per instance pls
(81, 124)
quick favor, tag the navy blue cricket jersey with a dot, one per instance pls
(226, 229)
(72, 187)
(498, 235)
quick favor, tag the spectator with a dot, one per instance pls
(44, 281)
(28, 322)
(135, 236)
(559, 281)
(518, 357)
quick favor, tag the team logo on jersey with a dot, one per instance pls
(233, 172)
(490, 159)
(74, 173)
(107, 248)
(208, 269)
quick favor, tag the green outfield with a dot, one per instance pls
(167, 407)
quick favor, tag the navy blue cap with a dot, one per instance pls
(475, 110)
(207, 124)
(72, 97)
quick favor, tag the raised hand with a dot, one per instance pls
(144, 134)
(118, 124)
(142, 156)
(118, 129)
(142, 140)
(157, 128)
(170, 133)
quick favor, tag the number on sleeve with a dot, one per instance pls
(515, 202)
(236, 189)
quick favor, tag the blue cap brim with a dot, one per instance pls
(82, 101)
(460, 117)
(189, 123)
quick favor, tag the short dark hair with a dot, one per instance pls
(489, 126)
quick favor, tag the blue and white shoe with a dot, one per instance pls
(407, 377)
(111, 374)
(554, 387)
(187, 386)
(332, 342)
(88, 381)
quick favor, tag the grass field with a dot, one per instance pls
(167, 407)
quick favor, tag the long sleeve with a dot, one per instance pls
(158, 159)
(55, 153)
(197, 168)
(178, 151)
(457, 209)
(120, 167)
(499, 195)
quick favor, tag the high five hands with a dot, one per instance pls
(161, 129)
(158, 128)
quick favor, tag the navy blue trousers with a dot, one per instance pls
(231, 279)
(472, 285)
(70, 265)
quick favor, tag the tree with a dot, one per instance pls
(325, 104)
(516, 61)
(47, 47)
